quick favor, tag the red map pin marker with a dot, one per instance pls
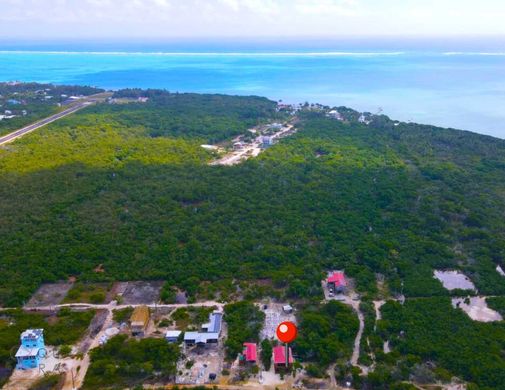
(286, 332)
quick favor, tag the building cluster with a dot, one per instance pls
(209, 333)
(249, 356)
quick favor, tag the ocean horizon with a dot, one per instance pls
(450, 85)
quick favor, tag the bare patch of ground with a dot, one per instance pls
(49, 294)
(137, 293)
(477, 309)
(274, 315)
(453, 280)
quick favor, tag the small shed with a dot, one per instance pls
(139, 320)
(250, 353)
(172, 336)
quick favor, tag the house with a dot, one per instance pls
(200, 339)
(172, 336)
(336, 282)
(288, 309)
(210, 331)
(279, 357)
(238, 146)
(139, 320)
(250, 354)
(31, 350)
(267, 141)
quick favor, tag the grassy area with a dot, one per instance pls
(122, 315)
(88, 293)
(191, 318)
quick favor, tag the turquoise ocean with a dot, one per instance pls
(459, 86)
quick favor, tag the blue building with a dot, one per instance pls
(31, 350)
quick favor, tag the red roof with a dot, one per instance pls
(338, 278)
(280, 355)
(250, 352)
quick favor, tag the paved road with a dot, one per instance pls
(37, 125)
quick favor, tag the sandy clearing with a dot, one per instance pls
(454, 280)
(477, 309)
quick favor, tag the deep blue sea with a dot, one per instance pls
(460, 86)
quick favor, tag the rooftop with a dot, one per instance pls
(32, 334)
(250, 352)
(200, 337)
(214, 324)
(140, 316)
(280, 355)
(27, 352)
(338, 278)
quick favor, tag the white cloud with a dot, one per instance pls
(236, 18)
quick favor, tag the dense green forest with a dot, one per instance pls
(124, 362)
(326, 334)
(432, 330)
(129, 187)
(212, 118)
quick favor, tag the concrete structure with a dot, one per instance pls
(31, 350)
(336, 282)
(250, 354)
(139, 320)
(279, 357)
(172, 336)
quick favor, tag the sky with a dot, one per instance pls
(71, 19)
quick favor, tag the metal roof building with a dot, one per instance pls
(139, 320)
(214, 324)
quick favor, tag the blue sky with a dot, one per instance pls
(248, 18)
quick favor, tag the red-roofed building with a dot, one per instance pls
(279, 353)
(250, 354)
(336, 282)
